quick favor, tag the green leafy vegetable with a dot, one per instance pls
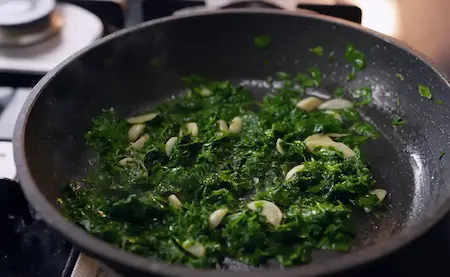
(425, 92)
(399, 76)
(398, 121)
(317, 50)
(283, 76)
(108, 134)
(262, 41)
(440, 102)
(339, 91)
(441, 154)
(310, 80)
(209, 150)
(352, 75)
(355, 57)
(363, 95)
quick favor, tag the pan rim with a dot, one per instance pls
(98, 248)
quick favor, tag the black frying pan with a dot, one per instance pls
(117, 71)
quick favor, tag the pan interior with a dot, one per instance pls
(135, 70)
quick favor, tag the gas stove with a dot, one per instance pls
(28, 247)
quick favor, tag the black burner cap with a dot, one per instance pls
(19, 12)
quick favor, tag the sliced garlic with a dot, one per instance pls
(336, 135)
(125, 161)
(325, 141)
(236, 125)
(140, 142)
(317, 137)
(279, 146)
(170, 144)
(135, 131)
(379, 193)
(346, 151)
(291, 173)
(216, 217)
(223, 126)
(174, 201)
(334, 114)
(271, 211)
(309, 103)
(142, 118)
(335, 104)
(192, 128)
(205, 92)
(198, 250)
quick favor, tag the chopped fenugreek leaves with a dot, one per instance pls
(317, 50)
(399, 76)
(425, 92)
(209, 150)
(398, 121)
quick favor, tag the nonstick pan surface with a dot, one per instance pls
(118, 72)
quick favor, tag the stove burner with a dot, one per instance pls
(31, 33)
(18, 12)
(80, 29)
